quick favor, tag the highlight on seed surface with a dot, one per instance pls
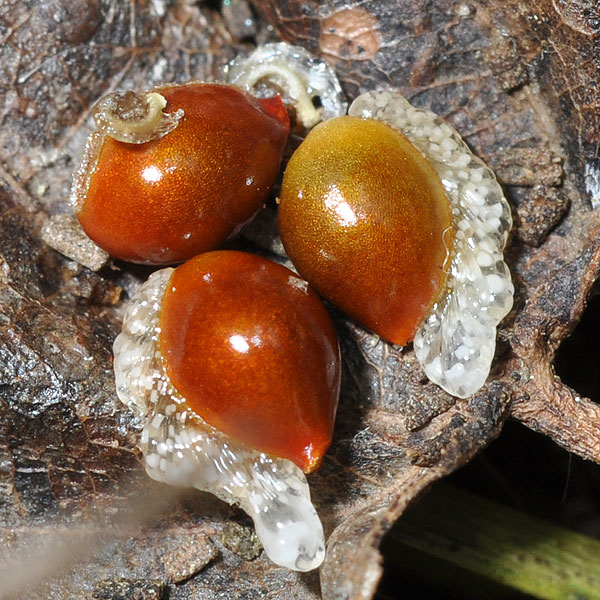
(233, 364)
(178, 170)
(389, 215)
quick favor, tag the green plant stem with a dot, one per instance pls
(500, 544)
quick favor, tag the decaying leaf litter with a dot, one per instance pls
(501, 73)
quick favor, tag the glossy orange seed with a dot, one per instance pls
(253, 350)
(171, 198)
(365, 219)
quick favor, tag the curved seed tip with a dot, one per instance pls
(275, 107)
(133, 117)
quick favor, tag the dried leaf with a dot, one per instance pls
(501, 72)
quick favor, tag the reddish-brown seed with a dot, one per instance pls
(254, 352)
(169, 199)
(365, 219)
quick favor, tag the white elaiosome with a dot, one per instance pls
(455, 344)
(293, 72)
(181, 449)
(145, 120)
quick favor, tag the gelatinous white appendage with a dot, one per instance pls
(136, 348)
(456, 341)
(296, 74)
(83, 173)
(181, 449)
(135, 118)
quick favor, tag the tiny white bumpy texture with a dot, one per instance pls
(180, 449)
(455, 344)
(294, 73)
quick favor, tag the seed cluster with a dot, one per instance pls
(162, 187)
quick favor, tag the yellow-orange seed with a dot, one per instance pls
(365, 219)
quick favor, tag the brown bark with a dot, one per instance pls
(519, 80)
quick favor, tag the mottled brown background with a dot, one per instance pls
(518, 79)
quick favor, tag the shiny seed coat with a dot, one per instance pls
(254, 352)
(169, 199)
(365, 219)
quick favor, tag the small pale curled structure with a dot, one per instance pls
(181, 449)
(186, 192)
(296, 74)
(135, 118)
(456, 341)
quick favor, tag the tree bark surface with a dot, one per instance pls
(520, 80)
